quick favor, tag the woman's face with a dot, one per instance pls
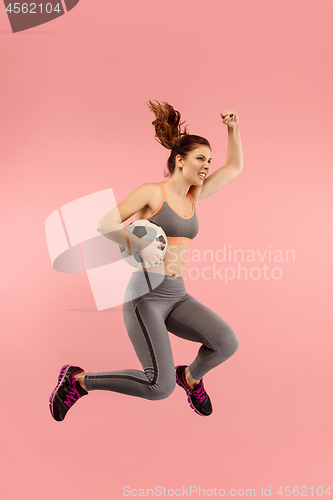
(195, 167)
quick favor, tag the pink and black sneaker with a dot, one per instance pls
(66, 393)
(197, 397)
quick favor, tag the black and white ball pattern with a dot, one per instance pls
(145, 230)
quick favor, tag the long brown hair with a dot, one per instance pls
(168, 132)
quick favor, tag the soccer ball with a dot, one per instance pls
(145, 230)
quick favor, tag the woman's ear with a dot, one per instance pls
(179, 161)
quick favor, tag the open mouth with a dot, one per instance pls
(202, 175)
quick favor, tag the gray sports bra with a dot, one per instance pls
(178, 229)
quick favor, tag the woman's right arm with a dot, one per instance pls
(110, 225)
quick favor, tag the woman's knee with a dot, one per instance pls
(228, 343)
(162, 390)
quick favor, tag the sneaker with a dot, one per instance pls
(197, 397)
(66, 393)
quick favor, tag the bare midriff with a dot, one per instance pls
(174, 261)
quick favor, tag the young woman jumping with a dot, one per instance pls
(156, 300)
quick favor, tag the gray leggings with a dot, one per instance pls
(149, 313)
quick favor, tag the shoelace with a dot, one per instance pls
(200, 393)
(73, 395)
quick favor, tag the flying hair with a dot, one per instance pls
(167, 124)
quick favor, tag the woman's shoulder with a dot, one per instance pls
(151, 193)
(149, 187)
(154, 188)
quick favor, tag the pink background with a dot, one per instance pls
(74, 122)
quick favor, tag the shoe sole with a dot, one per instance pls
(188, 396)
(61, 377)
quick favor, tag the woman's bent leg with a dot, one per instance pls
(144, 319)
(194, 321)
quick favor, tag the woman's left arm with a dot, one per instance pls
(234, 162)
